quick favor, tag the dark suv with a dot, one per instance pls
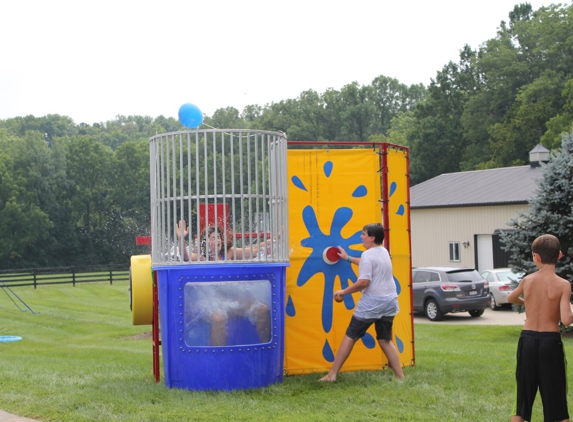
(440, 290)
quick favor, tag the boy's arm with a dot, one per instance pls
(565, 305)
(515, 296)
(360, 285)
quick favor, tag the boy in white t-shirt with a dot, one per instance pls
(378, 304)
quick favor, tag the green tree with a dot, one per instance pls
(90, 167)
(226, 118)
(390, 97)
(24, 226)
(563, 121)
(357, 112)
(437, 142)
(550, 211)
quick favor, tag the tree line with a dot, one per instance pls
(79, 193)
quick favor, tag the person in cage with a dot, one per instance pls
(228, 300)
(217, 245)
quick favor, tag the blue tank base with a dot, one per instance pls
(188, 297)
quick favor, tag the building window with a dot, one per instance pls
(455, 251)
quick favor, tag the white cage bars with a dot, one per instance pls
(235, 180)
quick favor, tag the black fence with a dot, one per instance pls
(64, 275)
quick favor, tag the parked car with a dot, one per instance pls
(441, 290)
(500, 280)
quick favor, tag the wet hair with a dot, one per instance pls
(375, 230)
(547, 247)
(224, 247)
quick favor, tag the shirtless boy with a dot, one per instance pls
(540, 355)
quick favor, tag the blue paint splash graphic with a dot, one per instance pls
(393, 187)
(360, 191)
(314, 264)
(399, 344)
(328, 168)
(327, 352)
(290, 310)
(298, 183)
(369, 341)
(398, 287)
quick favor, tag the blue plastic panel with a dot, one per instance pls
(251, 356)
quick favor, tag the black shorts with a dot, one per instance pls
(541, 364)
(357, 327)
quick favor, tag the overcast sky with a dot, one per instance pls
(92, 61)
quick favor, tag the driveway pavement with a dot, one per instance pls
(504, 316)
(9, 417)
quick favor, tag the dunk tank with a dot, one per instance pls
(240, 181)
(221, 302)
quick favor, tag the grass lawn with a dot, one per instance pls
(80, 361)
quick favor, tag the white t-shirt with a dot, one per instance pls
(376, 266)
(379, 298)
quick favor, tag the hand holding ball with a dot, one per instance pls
(338, 297)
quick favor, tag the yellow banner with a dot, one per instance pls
(333, 194)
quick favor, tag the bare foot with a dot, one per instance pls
(329, 378)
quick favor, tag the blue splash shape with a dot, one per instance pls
(399, 344)
(328, 168)
(327, 352)
(298, 183)
(398, 287)
(393, 187)
(290, 310)
(369, 341)
(360, 191)
(400, 210)
(315, 264)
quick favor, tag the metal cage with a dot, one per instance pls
(231, 179)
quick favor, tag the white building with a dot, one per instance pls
(456, 218)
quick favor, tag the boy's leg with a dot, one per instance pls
(384, 337)
(392, 355)
(553, 377)
(341, 356)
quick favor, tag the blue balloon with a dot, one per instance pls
(190, 116)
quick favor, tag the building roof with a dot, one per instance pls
(501, 186)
